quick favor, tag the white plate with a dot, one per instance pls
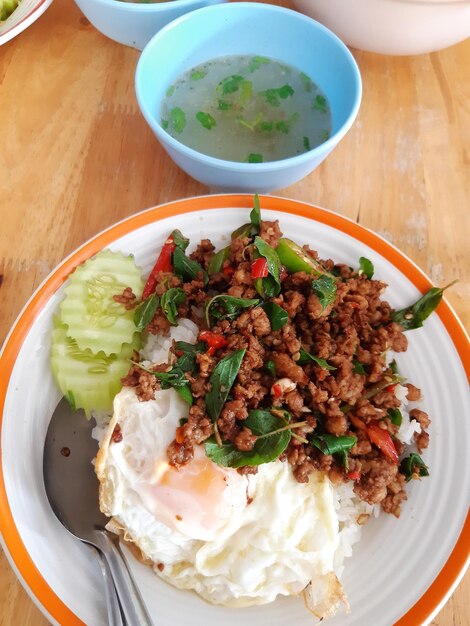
(401, 572)
(23, 16)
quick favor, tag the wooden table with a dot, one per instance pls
(76, 156)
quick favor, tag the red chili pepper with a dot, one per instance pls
(228, 270)
(213, 340)
(355, 305)
(163, 264)
(259, 268)
(391, 388)
(381, 438)
(277, 391)
(355, 475)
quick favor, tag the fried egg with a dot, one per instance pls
(236, 540)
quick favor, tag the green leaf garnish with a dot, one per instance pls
(224, 105)
(254, 157)
(256, 63)
(273, 438)
(185, 393)
(366, 267)
(170, 301)
(413, 316)
(265, 127)
(186, 267)
(217, 261)
(274, 96)
(305, 357)
(197, 74)
(324, 136)
(255, 214)
(221, 380)
(324, 287)
(179, 239)
(145, 312)
(320, 103)
(307, 144)
(358, 367)
(170, 90)
(269, 253)
(334, 445)
(206, 120)
(231, 84)
(186, 353)
(178, 119)
(278, 317)
(413, 465)
(165, 124)
(223, 306)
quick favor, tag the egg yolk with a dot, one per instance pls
(192, 499)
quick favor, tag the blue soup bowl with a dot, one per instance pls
(135, 23)
(246, 28)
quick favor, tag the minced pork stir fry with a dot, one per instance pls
(292, 360)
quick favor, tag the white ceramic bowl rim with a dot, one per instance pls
(223, 164)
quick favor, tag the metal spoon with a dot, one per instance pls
(72, 491)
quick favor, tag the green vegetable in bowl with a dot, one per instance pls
(7, 7)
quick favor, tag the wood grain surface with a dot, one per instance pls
(76, 156)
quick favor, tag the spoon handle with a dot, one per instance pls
(112, 602)
(133, 607)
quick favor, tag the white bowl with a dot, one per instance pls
(393, 26)
(23, 16)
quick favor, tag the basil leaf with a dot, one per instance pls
(331, 444)
(179, 239)
(276, 314)
(393, 367)
(395, 416)
(185, 394)
(358, 367)
(144, 313)
(217, 261)
(271, 368)
(187, 360)
(227, 307)
(274, 265)
(170, 301)
(324, 287)
(413, 316)
(186, 267)
(267, 287)
(175, 378)
(366, 267)
(255, 215)
(242, 231)
(222, 379)
(413, 464)
(267, 448)
(305, 357)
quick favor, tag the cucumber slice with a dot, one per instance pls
(94, 320)
(89, 381)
